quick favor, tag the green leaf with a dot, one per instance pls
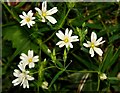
(110, 58)
(20, 40)
(56, 77)
(85, 62)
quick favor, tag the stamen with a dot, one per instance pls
(30, 59)
(27, 19)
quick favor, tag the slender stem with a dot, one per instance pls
(49, 67)
(84, 71)
(98, 84)
(10, 11)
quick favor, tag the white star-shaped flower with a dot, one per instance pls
(66, 39)
(93, 45)
(22, 76)
(27, 19)
(47, 14)
(29, 60)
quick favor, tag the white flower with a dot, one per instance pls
(103, 76)
(47, 14)
(93, 45)
(66, 39)
(45, 85)
(30, 59)
(22, 76)
(27, 19)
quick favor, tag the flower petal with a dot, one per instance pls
(51, 19)
(91, 51)
(66, 31)
(30, 53)
(24, 13)
(52, 11)
(16, 73)
(70, 32)
(98, 51)
(21, 16)
(29, 77)
(31, 65)
(93, 37)
(86, 45)
(30, 14)
(74, 38)
(60, 35)
(71, 46)
(44, 6)
(38, 10)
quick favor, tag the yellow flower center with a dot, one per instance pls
(92, 45)
(28, 19)
(44, 14)
(66, 40)
(30, 59)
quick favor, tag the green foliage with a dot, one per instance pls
(64, 69)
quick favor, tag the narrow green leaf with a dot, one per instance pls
(56, 77)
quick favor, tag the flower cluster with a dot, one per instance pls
(23, 74)
(44, 14)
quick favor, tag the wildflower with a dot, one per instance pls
(45, 85)
(27, 19)
(103, 76)
(30, 59)
(66, 39)
(22, 76)
(47, 14)
(93, 45)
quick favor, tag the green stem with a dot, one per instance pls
(60, 26)
(82, 71)
(10, 12)
(49, 67)
(98, 84)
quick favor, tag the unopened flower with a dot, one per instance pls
(45, 85)
(22, 76)
(67, 39)
(29, 59)
(103, 76)
(27, 19)
(47, 14)
(93, 45)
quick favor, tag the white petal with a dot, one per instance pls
(60, 42)
(28, 25)
(44, 6)
(98, 42)
(16, 73)
(60, 35)
(91, 51)
(24, 13)
(51, 19)
(31, 65)
(93, 37)
(52, 11)
(71, 46)
(30, 14)
(86, 45)
(23, 56)
(67, 45)
(43, 19)
(30, 77)
(98, 51)
(66, 31)
(23, 23)
(16, 81)
(21, 67)
(38, 10)
(74, 38)
(35, 59)
(30, 53)
(21, 16)
(25, 84)
(70, 32)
